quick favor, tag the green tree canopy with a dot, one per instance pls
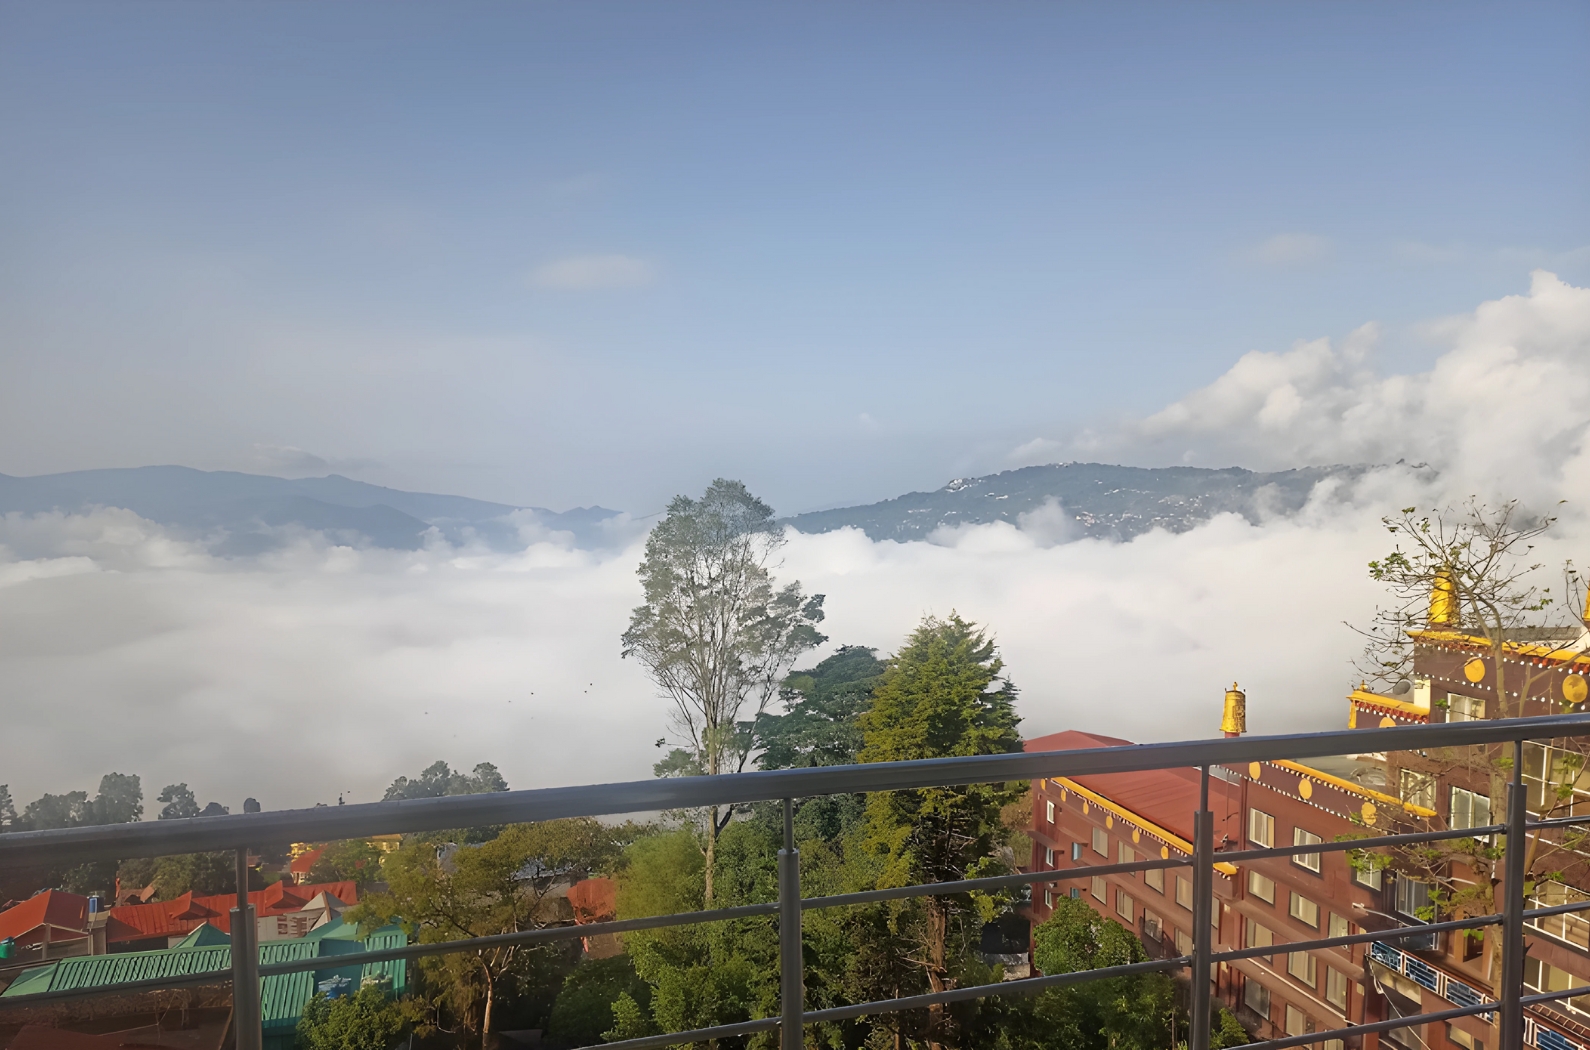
(179, 802)
(351, 860)
(941, 696)
(367, 1020)
(438, 779)
(714, 633)
(503, 885)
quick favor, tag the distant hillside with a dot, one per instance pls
(246, 513)
(1101, 500)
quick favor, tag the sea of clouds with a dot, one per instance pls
(318, 670)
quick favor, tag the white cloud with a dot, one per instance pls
(1290, 249)
(584, 272)
(399, 658)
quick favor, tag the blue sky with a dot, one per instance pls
(566, 254)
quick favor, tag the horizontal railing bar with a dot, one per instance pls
(1025, 986)
(697, 1035)
(1344, 845)
(1557, 822)
(361, 820)
(993, 882)
(1557, 909)
(1401, 933)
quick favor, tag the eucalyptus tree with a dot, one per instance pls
(716, 634)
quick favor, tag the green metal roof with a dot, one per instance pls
(203, 936)
(282, 997)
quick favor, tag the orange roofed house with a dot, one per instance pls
(282, 911)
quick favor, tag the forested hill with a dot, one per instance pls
(1097, 499)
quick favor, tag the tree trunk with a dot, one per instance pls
(937, 970)
(712, 850)
(485, 1019)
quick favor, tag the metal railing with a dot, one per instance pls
(239, 832)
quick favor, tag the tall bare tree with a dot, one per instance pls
(715, 633)
(1466, 578)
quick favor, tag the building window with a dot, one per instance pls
(1302, 966)
(1261, 887)
(1573, 927)
(1076, 851)
(1544, 977)
(1557, 781)
(1049, 810)
(1101, 842)
(1097, 888)
(1048, 856)
(1256, 997)
(1076, 893)
(1417, 788)
(1338, 926)
(1367, 873)
(1470, 809)
(1048, 898)
(1184, 893)
(1335, 1044)
(1155, 877)
(1336, 989)
(1458, 1037)
(1259, 936)
(1303, 910)
(1152, 928)
(1261, 828)
(1184, 944)
(1460, 708)
(1309, 861)
(1124, 905)
(1296, 1021)
(1413, 899)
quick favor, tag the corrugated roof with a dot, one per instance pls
(282, 997)
(64, 911)
(136, 922)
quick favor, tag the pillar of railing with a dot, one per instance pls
(792, 984)
(1203, 899)
(245, 965)
(1512, 1030)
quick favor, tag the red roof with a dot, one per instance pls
(175, 918)
(304, 861)
(63, 911)
(594, 900)
(1164, 797)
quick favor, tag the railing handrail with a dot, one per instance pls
(328, 823)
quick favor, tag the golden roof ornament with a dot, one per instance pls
(1234, 721)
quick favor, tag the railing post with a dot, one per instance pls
(1203, 899)
(1511, 1036)
(245, 965)
(792, 983)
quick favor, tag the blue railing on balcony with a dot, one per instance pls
(238, 832)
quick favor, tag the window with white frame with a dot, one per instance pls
(1184, 944)
(1152, 927)
(1470, 809)
(1261, 886)
(1417, 788)
(1573, 927)
(1413, 899)
(1296, 1021)
(1259, 936)
(1256, 997)
(1310, 861)
(1303, 910)
(1556, 781)
(1048, 856)
(1049, 810)
(1048, 898)
(1261, 828)
(1101, 842)
(1366, 872)
(1098, 889)
(1336, 988)
(1076, 851)
(1338, 926)
(1302, 966)
(1155, 877)
(1184, 893)
(1460, 708)
(1543, 977)
(1124, 905)
(1124, 855)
